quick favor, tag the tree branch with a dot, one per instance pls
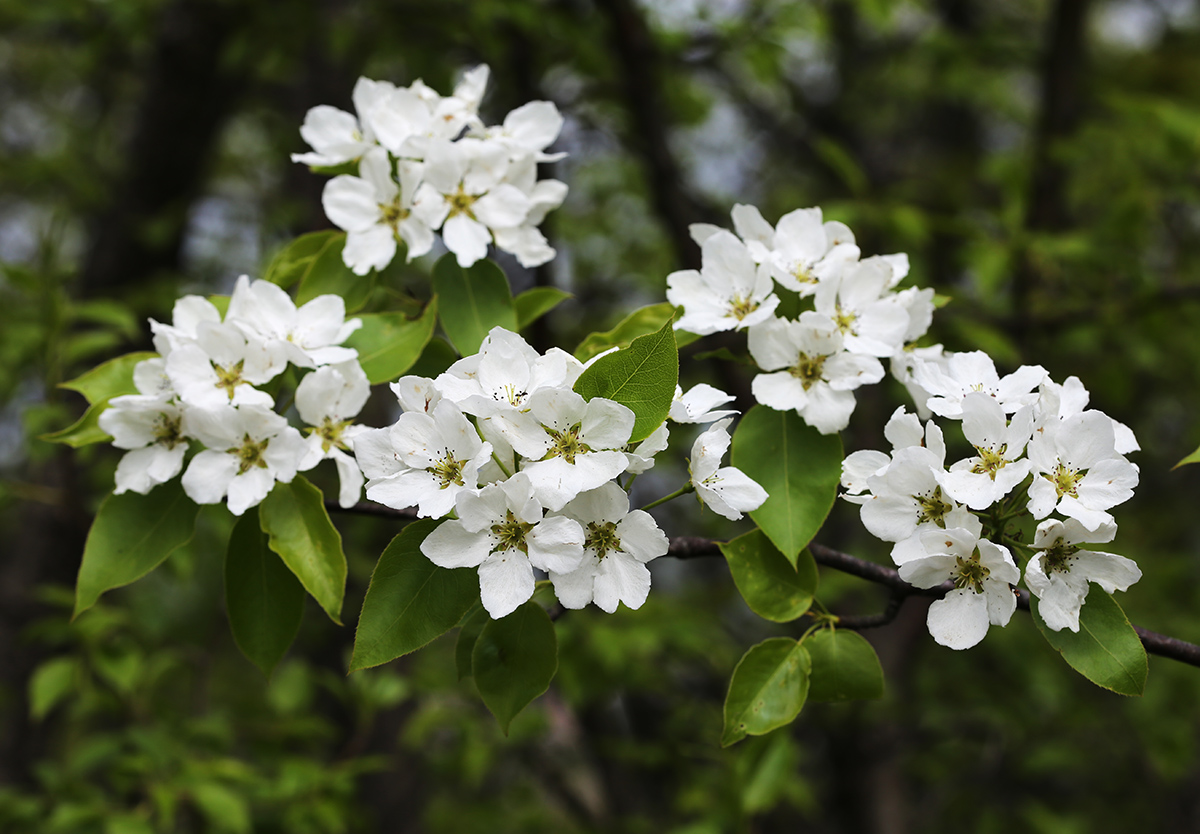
(696, 547)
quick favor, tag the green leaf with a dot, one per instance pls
(472, 627)
(534, 303)
(224, 809)
(84, 431)
(327, 274)
(768, 689)
(640, 322)
(774, 587)
(514, 660)
(1106, 650)
(411, 601)
(1194, 457)
(389, 343)
(293, 263)
(844, 666)
(52, 682)
(641, 377)
(131, 535)
(474, 300)
(264, 600)
(798, 467)
(111, 379)
(294, 517)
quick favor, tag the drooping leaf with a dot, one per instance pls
(84, 431)
(327, 274)
(472, 627)
(131, 535)
(798, 467)
(474, 300)
(514, 660)
(1106, 650)
(410, 601)
(389, 343)
(534, 303)
(264, 600)
(51, 684)
(111, 379)
(844, 666)
(774, 587)
(640, 322)
(294, 517)
(1194, 457)
(768, 689)
(641, 377)
(296, 260)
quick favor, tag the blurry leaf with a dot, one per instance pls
(111, 379)
(131, 535)
(775, 587)
(640, 322)
(411, 601)
(295, 261)
(127, 824)
(844, 666)
(534, 303)
(514, 660)
(641, 377)
(389, 343)
(1106, 650)
(841, 163)
(121, 668)
(84, 431)
(264, 600)
(473, 301)
(327, 274)
(50, 685)
(768, 689)
(800, 469)
(222, 807)
(294, 517)
(107, 312)
(472, 626)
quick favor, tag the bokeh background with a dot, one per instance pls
(1039, 162)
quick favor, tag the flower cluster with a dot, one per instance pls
(206, 386)
(849, 313)
(1037, 451)
(423, 162)
(530, 470)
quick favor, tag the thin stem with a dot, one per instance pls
(503, 468)
(683, 490)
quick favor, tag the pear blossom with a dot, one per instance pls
(501, 531)
(700, 404)
(812, 374)
(984, 479)
(151, 427)
(807, 251)
(617, 545)
(1077, 470)
(222, 367)
(337, 136)
(248, 450)
(186, 316)
(1060, 570)
(872, 321)
(328, 400)
(729, 292)
(375, 211)
(982, 572)
(726, 490)
(974, 371)
(423, 460)
(309, 336)
(641, 457)
(1071, 398)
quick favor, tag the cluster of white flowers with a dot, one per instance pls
(426, 162)
(206, 386)
(1037, 449)
(529, 469)
(855, 316)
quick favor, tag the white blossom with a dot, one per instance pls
(984, 479)
(726, 490)
(701, 404)
(729, 292)
(308, 337)
(328, 400)
(1060, 570)
(966, 373)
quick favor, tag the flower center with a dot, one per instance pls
(330, 432)
(229, 378)
(566, 444)
(970, 573)
(393, 214)
(808, 369)
(931, 507)
(169, 431)
(742, 307)
(250, 454)
(461, 202)
(1065, 480)
(844, 319)
(991, 461)
(1059, 556)
(602, 538)
(512, 533)
(804, 274)
(449, 471)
